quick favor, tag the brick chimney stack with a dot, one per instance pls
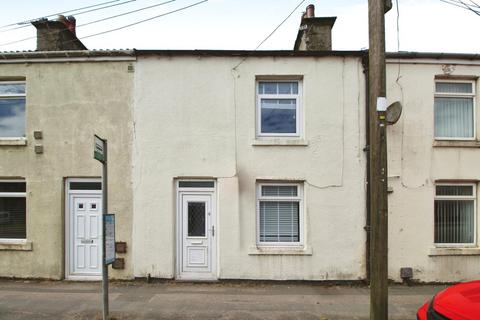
(314, 34)
(57, 35)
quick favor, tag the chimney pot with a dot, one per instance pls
(72, 24)
(314, 34)
(62, 18)
(58, 34)
(310, 13)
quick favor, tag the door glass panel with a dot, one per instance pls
(196, 184)
(196, 219)
(85, 186)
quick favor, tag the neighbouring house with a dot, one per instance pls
(434, 152)
(51, 105)
(233, 164)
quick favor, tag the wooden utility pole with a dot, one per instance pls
(378, 161)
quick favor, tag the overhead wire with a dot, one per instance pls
(59, 13)
(144, 20)
(281, 23)
(463, 5)
(96, 21)
(271, 33)
(475, 4)
(126, 13)
(76, 14)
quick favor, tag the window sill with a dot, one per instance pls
(456, 143)
(454, 252)
(13, 142)
(16, 246)
(286, 251)
(280, 142)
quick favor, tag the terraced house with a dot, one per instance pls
(233, 164)
(51, 104)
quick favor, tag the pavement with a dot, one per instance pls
(245, 300)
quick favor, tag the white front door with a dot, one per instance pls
(197, 234)
(85, 235)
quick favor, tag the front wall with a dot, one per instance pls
(195, 117)
(69, 102)
(414, 166)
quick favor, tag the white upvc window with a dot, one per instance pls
(279, 110)
(455, 214)
(12, 210)
(454, 110)
(12, 109)
(279, 214)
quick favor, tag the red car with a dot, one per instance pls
(458, 302)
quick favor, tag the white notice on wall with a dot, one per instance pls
(109, 220)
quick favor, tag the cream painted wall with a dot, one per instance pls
(414, 166)
(195, 117)
(68, 102)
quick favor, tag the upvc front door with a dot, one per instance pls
(83, 229)
(86, 235)
(196, 254)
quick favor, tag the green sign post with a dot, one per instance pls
(99, 149)
(100, 154)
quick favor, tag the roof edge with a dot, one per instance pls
(431, 55)
(132, 53)
(66, 54)
(248, 53)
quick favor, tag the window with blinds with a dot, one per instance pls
(454, 110)
(455, 214)
(13, 210)
(279, 213)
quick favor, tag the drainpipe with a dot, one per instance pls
(367, 151)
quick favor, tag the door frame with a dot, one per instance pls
(68, 221)
(179, 235)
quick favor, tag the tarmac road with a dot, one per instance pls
(218, 300)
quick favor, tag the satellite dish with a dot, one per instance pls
(394, 111)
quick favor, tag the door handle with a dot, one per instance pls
(213, 231)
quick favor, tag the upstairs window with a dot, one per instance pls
(13, 210)
(12, 109)
(455, 214)
(278, 108)
(454, 110)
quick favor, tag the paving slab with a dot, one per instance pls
(220, 300)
